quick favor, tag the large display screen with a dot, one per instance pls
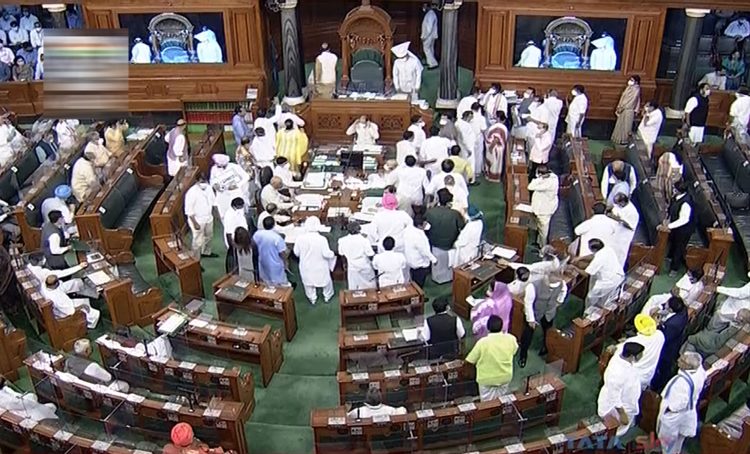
(569, 42)
(171, 38)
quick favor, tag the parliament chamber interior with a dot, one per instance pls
(375, 226)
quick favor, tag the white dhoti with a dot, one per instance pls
(441, 271)
(92, 315)
(487, 393)
(201, 243)
(696, 134)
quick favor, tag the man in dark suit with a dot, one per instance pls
(673, 326)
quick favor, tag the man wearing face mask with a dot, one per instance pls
(229, 180)
(650, 125)
(281, 170)
(36, 36)
(291, 143)
(628, 105)
(177, 150)
(365, 131)
(739, 111)
(5, 21)
(467, 136)
(429, 34)
(493, 102)
(17, 35)
(95, 147)
(696, 113)
(576, 111)
(199, 210)
(55, 241)
(417, 128)
(28, 20)
(407, 71)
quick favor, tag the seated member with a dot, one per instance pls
(25, 405)
(60, 203)
(55, 241)
(374, 406)
(64, 306)
(732, 424)
(183, 441)
(37, 267)
(442, 331)
(689, 288)
(709, 340)
(271, 193)
(82, 367)
(389, 264)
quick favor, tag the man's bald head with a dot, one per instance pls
(276, 182)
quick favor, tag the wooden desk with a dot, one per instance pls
(442, 382)
(478, 273)
(389, 343)
(590, 332)
(222, 423)
(12, 348)
(328, 119)
(63, 332)
(168, 215)
(392, 299)
(162, 376)
(256, 345)
(516, 232)
(452, 426)
(171, 255)
(210, 144)
(231, 293)
(716, 441)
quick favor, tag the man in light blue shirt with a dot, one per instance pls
(271, 254)
(240, 128)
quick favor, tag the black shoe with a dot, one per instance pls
(521, 362)
(543, 351)
(211, 255)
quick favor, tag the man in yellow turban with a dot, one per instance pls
(652, 340)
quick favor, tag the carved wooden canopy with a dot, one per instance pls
(171, 32)
(366, 27)
(569, 35)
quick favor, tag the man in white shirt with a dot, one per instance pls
(739, 111)
(479, 125)
(604, 278)
(411, 184)
(541, 146)
(689, 287)
(177, 148)
(37, 267)
(374, 407)
(36, 36)
(282, 169)
(270, 194)
(60, 203)
(627, 217)
(531, 57)
(358, 252)
(467, 136)
(494, 101)
(620, 394)
(263, 149)
(407, 71)
(233, 218)
(267, 124)
(429, 34)
(434, 151)
(554, 106)
(405, 147)
(598, 226)
(89, 371)
(417, 251)
(199, 210)
(366, 131)
(316, 261)
(417, 128)
(615, 172)
(544, 200)
(696, 113)
(229, 180)
(389, 264)
(65, 306)
(577, 111)
(17, 35)
(323, 75)
(678, 411)
(717, 79)
(466, 247)
(650, 125)
(438, 180)
(652, 341)
(390, 221)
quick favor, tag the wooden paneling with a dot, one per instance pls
(642, 55)
(23, 98)
(494, 38)
(467, 39)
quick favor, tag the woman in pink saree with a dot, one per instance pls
(496, 138)
(499, 302)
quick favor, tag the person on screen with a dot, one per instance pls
(738, 29)
(604, 57)
(27, 20)
(531, 56)
(17, 35)
(141, 52)
(208, 49)
(37, 36)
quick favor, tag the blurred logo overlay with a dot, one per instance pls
(86, 73)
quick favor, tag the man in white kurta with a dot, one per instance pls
(554, 106)
(316, 261)
(678, 411)
(233, 219)
(358, 252)
(466, 247)
(598, 226)
(390, 221)
(199, 210)
(429, 34)
(494, 101)
(140, 53)
(627, 217)
(229, 180)
(208, 49)
(739, 111)
(531, 57)
(604, 278)
(365, 131)
(389, 265)
(479, 125)
(576, 111)
(467, 136)
(604, 56)
(417, 128)
(323, 75)
(74, 285)
(59, 203)
(736, 299)
(270, 194)
(620, 393)
(717, 80)
(66, 133)
(411, 183)
(652, 341)
(177, 148)
(434, 151)
(650, 125)
(407, 71)
(65, 306)
(262, 149)
(405, 147)
(544, 200)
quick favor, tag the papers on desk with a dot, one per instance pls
(504, 253)
(334, 212)
(368, 149)
(410, 334)
(315, 180)
(172, 324)
(281, 218)
(363, 217)
(140, 134)
(524, 207)
(99, 278)
(399, 97)
(310, 200)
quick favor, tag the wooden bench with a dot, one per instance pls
(168, 214)
(112, 216)
(166, 376)
(62, 332)
(222, 423)
(261, 346)
(231, 292)
(356, 305)
(716, 441)
(452, 426)
(591, 331)
(12, 348)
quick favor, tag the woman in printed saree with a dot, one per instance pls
(496, 138)
(630, 101)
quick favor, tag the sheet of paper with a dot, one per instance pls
(99, 278)
(504, 253)
(310, 200)
(315, 180)
(411, 334)
(524, 207)
(471, 301)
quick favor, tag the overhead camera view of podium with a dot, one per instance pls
(374, 226)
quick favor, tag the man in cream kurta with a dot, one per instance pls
(650, 126)
(429, 34)
(407, 71)
(739, 111)
(576, 111)
(323, 75)
(316, 261)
